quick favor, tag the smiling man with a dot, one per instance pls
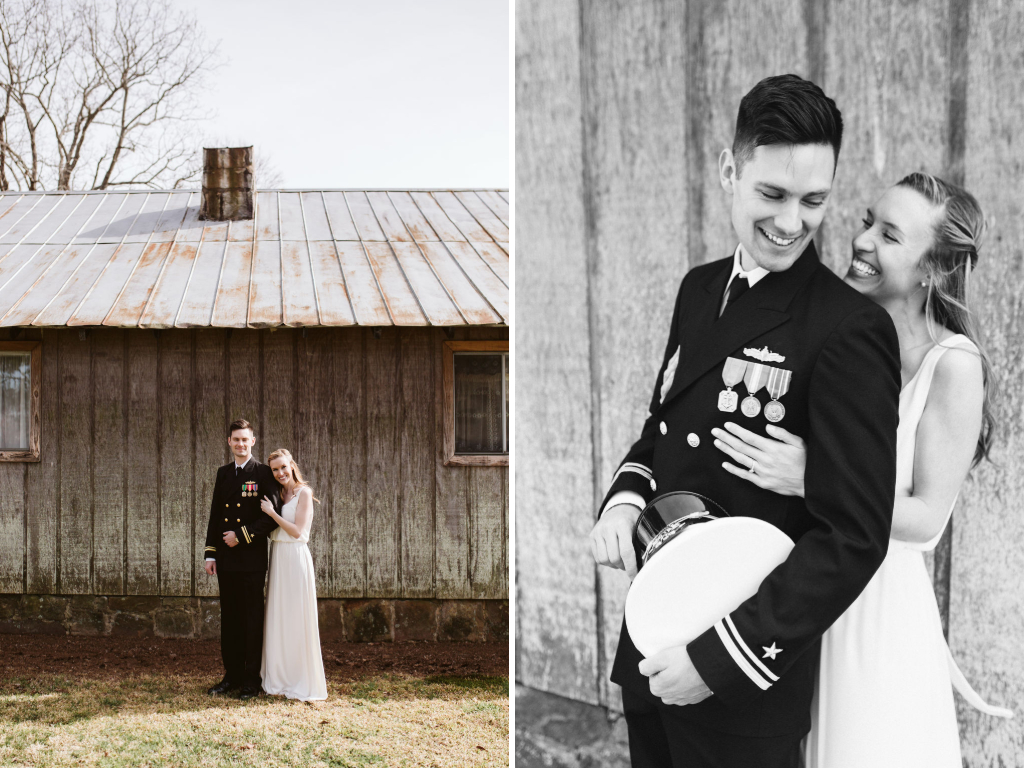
(765, 336)
(236, 553)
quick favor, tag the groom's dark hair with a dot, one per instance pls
(785, 109)
(240, 424)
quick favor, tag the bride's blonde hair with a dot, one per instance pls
(284, 453)
(949, 264)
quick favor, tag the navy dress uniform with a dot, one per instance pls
(242, 569)
(802, 349)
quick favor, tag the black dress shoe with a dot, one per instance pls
(222, 687)
(248, 692)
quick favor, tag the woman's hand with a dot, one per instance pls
(778, 465)
(268, 507)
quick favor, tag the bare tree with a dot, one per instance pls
(99, 94)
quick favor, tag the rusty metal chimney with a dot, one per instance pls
(227, 184)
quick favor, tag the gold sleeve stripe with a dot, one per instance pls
(248, 538)
(211, 549)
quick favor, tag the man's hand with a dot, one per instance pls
(230, 539)
(211, 567)
(673, 678)
(611, 541)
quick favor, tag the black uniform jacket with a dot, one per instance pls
(761, 660)
(236, 507)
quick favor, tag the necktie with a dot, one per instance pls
(737, 288)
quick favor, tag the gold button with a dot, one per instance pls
(225, 519)
(227, 505)
(238, 519)
(238, 504)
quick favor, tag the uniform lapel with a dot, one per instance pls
(710, 339)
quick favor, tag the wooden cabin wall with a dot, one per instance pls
(134, 426)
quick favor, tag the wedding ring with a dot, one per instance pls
(753, 467)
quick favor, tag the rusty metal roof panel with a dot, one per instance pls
(432, 296)
(484, 216)
(335, 307)
(342, 226)
(231, 304)
(496, 203)
(314, 214)
(364, 217)
(403, 304)
(439, 221)
(79, 280)
(98, 302)
(265, 310)
(134, 295)
(196, 308)
(165, 300)
(27, 215)
(267, 218)
(367, 301)
(472, 303)
(143, 258)
(412, 218)
(388, 218)
(483, 277)
(299, 293)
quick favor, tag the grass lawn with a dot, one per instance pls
(168, 720)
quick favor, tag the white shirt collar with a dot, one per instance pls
(752, 275)
(242, 466)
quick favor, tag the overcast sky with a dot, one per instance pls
(368, 93)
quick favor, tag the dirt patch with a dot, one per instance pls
(115, 657)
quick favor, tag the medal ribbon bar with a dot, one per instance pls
(778, 382)
(755, 377)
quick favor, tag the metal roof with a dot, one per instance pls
(320, 257)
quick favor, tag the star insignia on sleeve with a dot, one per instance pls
(771, 653)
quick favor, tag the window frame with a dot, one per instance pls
(452, 459)
(36, 372)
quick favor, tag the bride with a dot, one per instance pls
(292, 664)
(884, 694)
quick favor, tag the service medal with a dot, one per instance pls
(755, 377)
(732, 374)
(778, 385)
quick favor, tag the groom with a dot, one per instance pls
(773, 327)
(236, 553)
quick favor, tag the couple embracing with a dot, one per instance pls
(838, 660)
(254, 502)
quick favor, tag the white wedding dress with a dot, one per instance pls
(885, 686)
(292, 664)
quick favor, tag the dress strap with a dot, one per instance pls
(970, 695)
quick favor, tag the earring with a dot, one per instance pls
(924, 284)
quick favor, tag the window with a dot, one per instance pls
(476, 403)
(19, 400)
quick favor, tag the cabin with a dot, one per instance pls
(364, 330)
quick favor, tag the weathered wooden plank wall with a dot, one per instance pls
(986, 620)
(556, 637)
(622, 111)
(134, 427)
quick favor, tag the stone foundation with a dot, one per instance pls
(356, 621)
(553, 732)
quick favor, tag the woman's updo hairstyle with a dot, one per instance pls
(947, 266)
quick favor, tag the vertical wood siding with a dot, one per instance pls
(622, 111)
(557, 610)
(134, 428)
